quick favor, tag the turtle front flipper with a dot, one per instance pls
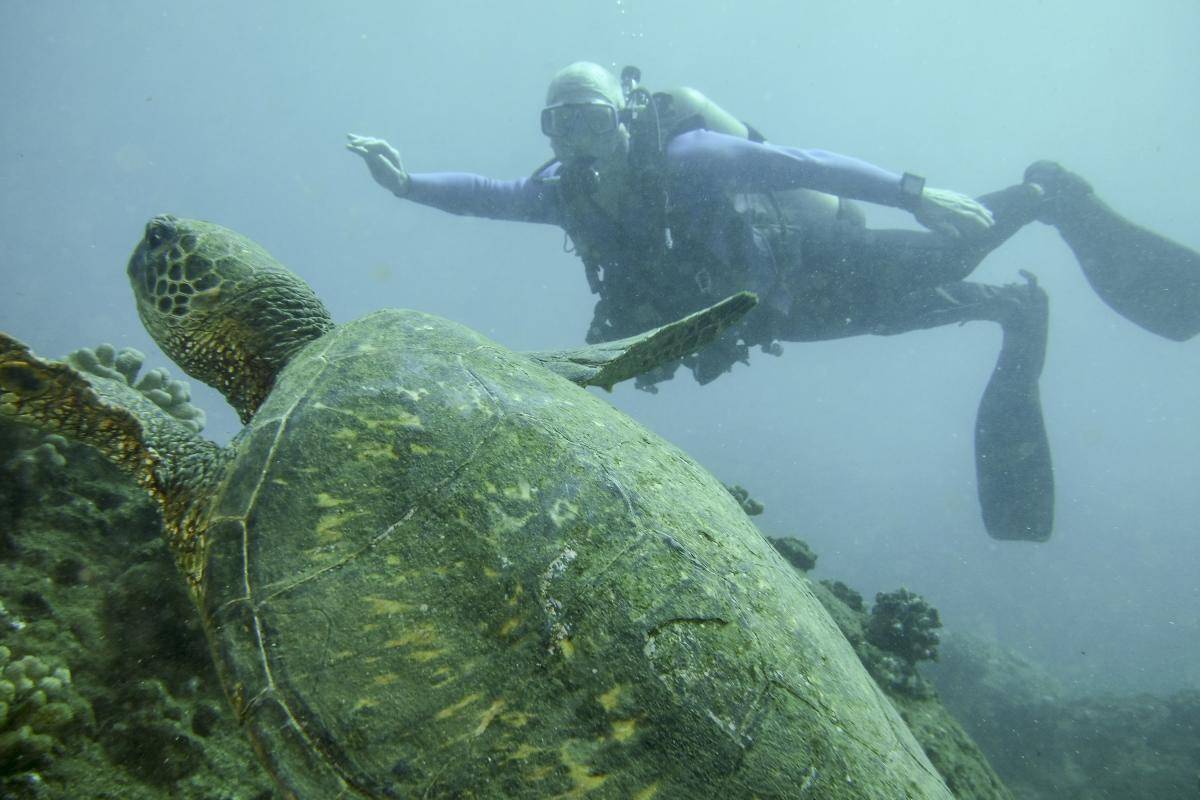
(609, 363)
(164, 455)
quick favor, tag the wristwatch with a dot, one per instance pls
(911, 187)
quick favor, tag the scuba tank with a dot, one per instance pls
(686, 109)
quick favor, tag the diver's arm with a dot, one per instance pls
(762, 167)
(520, 200)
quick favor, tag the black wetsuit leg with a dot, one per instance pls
(852, 280)
(889, 282)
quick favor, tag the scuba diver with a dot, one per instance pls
(671, 203)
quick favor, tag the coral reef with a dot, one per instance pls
(844, 593)
(751, 506)
(1051, 746)
(795, 551)
(106, 685)
(172, 396)
(949, 747)
(901, 630)
(903, 624)
(40, 710)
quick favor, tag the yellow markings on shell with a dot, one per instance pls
(387, 606)
(623, 729)
(522, 491)
(450, 711)
(446, 674)
(412, 394)
(507, 523)
(427, 655)
(329, 526)
(517, 719)
(488, 716)
(386, 679)
(417, 635)
(419, 449)
(609, 699)
(396, 417)
(399, 418)
(524, 751)
(509, 625)
(443, 570)
(376, 452)
(648, 792)
(581, 774)
(326, 500)
(366, 702)
(562, 511)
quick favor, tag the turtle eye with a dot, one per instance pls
(159, 229)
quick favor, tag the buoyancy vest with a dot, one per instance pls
(649, 266)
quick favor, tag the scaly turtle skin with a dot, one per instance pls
(432, 567)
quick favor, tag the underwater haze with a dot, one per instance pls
(236, 113)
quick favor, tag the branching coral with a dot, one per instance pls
(172, 396)
(38, 708)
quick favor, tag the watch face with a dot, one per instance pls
(911, 187)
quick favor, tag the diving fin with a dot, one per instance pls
(1012, 453)
(1143, 276)
(609, 363)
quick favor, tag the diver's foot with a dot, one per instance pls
(1061, 189)
(1022, 308)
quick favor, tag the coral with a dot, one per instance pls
(904, 625)
(900, 631)
(1049, 745)
(151, 734)
(39, 709)
(795, 551)
(847, 595)
(47, 457)
(172, 396)
(751, 506)
(87, 582)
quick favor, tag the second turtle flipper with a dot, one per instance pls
(609, 363)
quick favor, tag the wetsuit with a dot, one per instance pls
(724, 201)
(824, 279)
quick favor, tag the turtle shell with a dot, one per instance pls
(436, 569)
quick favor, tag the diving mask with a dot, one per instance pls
(590, 118)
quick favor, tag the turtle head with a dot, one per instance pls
(221, 307)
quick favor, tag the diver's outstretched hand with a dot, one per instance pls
(384, 162)
(952, 214)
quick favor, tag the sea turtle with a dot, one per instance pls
(431, 567)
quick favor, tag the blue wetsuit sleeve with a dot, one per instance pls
(760, 167)
(520, 200)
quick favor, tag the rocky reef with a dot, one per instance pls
(106, 685)
(107, 689)
(890, 639)
(1049, 744)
